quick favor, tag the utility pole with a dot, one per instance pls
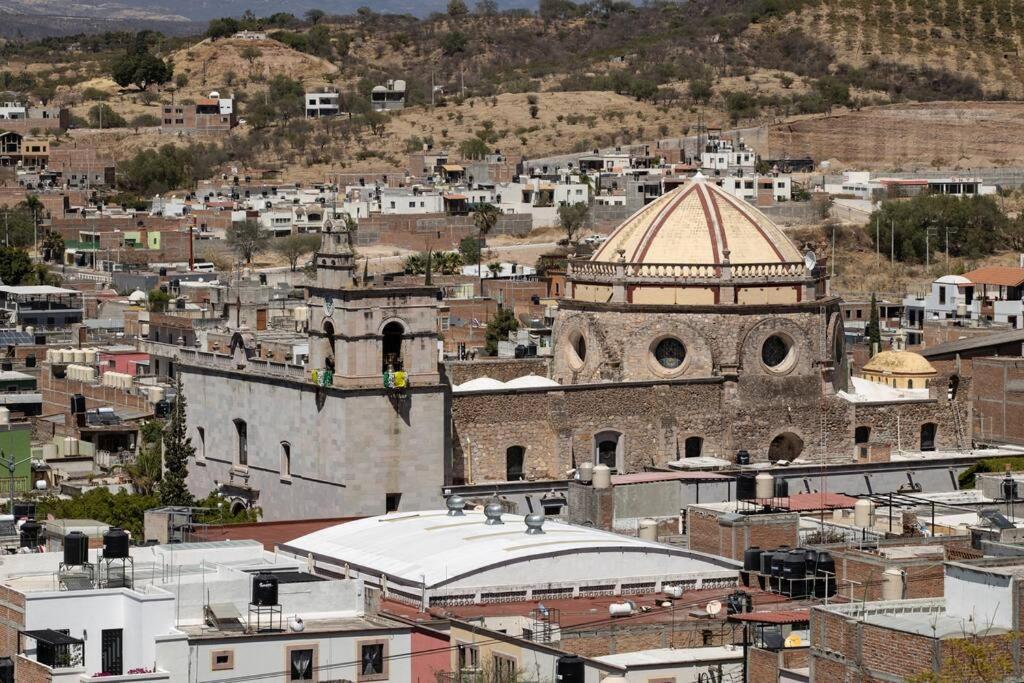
(892, 241)
(832, 258)
(878, 246)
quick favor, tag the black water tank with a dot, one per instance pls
(742, 457)
(78, 403)
(825, 586)
(58, 371)
(569, 669)
(264, 590)
(116, 543)
(162, 408)
(30, 361)
(24, 510)
(752, 559)
(6, 366)
(30, 531)
(778, 561)
(810, 561)
(793, 572)
(1009, 488)
(76, 549)
(746, 486)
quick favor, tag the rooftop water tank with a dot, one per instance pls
(5, 416)
(264, 590)
(79, 355)
(76, 549)
(746, 487)
(752, 559)
(825, 575)
(863, 513)
(586, 472)
(648, 529)
(793, 569)
(764, 485)
(892, 584)
(602, 477)
(29, 534)
(116, 543)
(622, 609)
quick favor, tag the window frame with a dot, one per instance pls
(383, 675)
(227, 666)
(315, 648)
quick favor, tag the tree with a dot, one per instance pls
(485, 218)
(498, 329)
(487, 8)
(700, 90)
(251, 53)
(474, 148)
(315, 16)
(469, 248)
(222, 28)
(453, 43)
(247, 239)
(457, 8)
(102, 116)
(293, 247)
(15, 266)
(53, 246)
(874, 328)
(158, 300)
(534, 111)
(571, 218)
(141, 70)
(178, 449)
(146, 471)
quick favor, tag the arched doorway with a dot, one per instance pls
(391, 346)
(928, 432)
(862, 434)
(608, 449)
(515, 457)
(693, 447)
(785, 446)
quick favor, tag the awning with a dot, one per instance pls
(997, 276)
(51, 637)
(453, 168)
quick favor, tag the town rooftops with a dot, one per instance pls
(999, 276)
(668, 656)
(792, 616)
(973, 343)
(37, 290)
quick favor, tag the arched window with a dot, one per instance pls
(515, 457)
(693, 447)
(328, 342)
(391, 346)
(201, 451)
(242, 430)
(928, 431)
(862, 434)
(954, 386)
(286, 460)
(608, 449)
(785, 446)
(910, 384)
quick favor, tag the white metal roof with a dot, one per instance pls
(432, 547)
(29, 290)
(667, 655)
(528, 381)
(480, 384)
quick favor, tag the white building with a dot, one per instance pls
(758, 189)
(10, 111)
(388, 97)
(446, 557)
(323, 102)
(187, 615)
(945, 301)
(722, 157)
(398, 201)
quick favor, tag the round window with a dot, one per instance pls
(670, 353)
(577, 350)
(777, 353)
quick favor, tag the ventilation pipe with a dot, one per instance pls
(493, 512)
(534, 523)
(456, 505)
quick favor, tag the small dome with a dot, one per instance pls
(530, 381)
(953, 280)
(480, 384)
(899, 363)
(696, 224)
(137, 296)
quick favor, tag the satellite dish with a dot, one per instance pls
(794, 640)
(810, 260)
(713, 608)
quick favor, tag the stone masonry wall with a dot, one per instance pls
(501, 369)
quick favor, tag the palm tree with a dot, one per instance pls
(485, 218)
(35, 206)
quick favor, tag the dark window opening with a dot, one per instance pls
(694, 445)
(242, 430)
(862, 434)
(514, 458)
(785, 446)
(392, 347)
(301, 665)
(928, 431)
(392, 501)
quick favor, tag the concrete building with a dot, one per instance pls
(22, 118)
(207, 114)
(43, 307)
(388, 97)
(947, 300)
(359, 429)
(322, 102)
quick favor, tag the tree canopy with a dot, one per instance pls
(293, 247)
(141, 70)
(572, 218)
(247, 238)
(178, 450)
(498, 329)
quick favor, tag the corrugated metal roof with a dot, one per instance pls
(972, 343)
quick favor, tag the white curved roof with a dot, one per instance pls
(480, 384)
(137, 295)
(953, 280)
(435, 549)
(528, 381)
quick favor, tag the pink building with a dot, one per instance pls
(123, 359)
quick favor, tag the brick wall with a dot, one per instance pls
(762, 666)
(635, 637)
(12, 620)
(998, 392)
(27, 671)
(501, 369)
(57, 395)
(709, 534)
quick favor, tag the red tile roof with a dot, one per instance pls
(1000, 276)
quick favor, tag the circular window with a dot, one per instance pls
(670, 353)
(577, 350)
(777, 353)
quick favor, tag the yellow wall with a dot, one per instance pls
(898, 381)
(486, 648)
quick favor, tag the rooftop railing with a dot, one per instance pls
(608, 272)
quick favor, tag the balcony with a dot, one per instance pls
(142, 675)
(608, 272)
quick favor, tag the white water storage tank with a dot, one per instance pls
(892, 584)
(648, 529)
(621, 609)
(70, 446)
(602, 477)
(673, 591)
(5, 416)
(49, 355)
(156, 394)
(79, 355)
(300, 314)
(586, 472)
(67, 355)
(49, 451)
(91, 356)
(764, 486)
(864, 513)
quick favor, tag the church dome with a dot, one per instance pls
(698, 223)
(899, 363)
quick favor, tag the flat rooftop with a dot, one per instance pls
(668, 656)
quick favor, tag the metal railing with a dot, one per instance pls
(650, 273)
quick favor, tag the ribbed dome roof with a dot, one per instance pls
(696, 224)
(899, 363)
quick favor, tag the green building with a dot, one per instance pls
(16, 443)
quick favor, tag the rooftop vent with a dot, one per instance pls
(492, 511)
(534, 523)
(456, 504)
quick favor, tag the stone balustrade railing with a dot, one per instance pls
(638, 273)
